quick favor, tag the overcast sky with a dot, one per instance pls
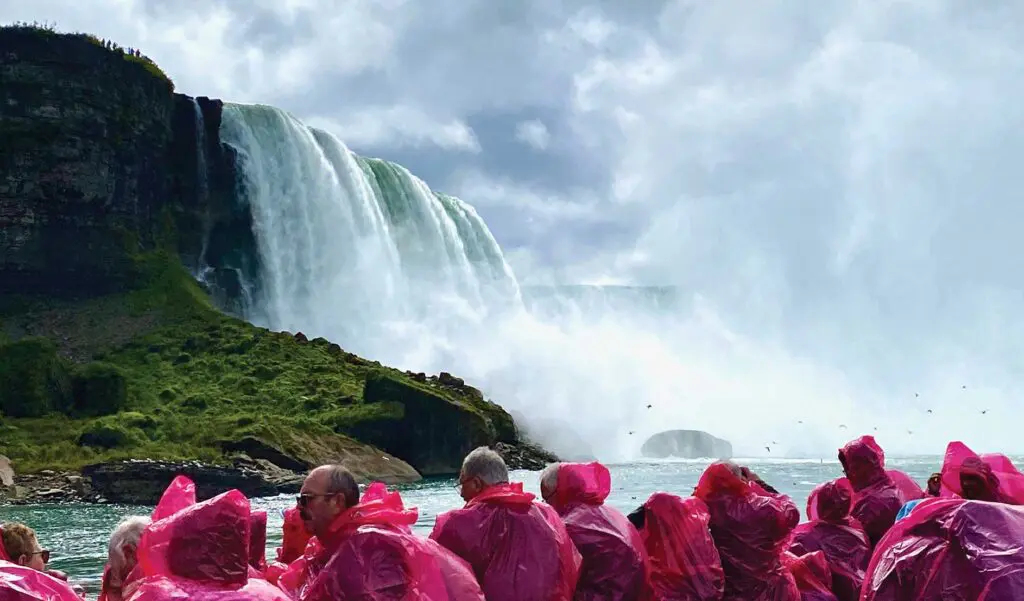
(841, 173)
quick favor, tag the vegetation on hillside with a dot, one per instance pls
(131, 55)
(159, 373)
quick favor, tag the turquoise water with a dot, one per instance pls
(77, 534)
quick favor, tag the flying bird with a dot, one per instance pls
(630, 432)
(800, 422)
(911, 432)
(648, 406)
(929, 411)
(917, 395)
(984, 411)
(767, 448)
(842, 426)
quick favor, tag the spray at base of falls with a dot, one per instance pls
(363, 253)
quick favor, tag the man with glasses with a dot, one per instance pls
(328, 491)
(21, 546)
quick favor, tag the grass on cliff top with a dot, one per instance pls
(49, 31)
(195, 378)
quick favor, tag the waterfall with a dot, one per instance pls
(355, 249)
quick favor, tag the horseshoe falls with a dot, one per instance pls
(364, 253)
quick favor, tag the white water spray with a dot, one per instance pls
(363, 253)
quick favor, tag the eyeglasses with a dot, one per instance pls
(304, 498)
(45, 554)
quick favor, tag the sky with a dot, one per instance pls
(838, 176)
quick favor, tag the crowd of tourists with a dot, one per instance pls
(873, 535)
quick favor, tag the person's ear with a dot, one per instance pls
(24, 559)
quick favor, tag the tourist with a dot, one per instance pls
(877, 500)
(368, 548)
(990, 477)
(935, 484)
(122, 556)
(843, 541)
(750, 527)
(614, 563)
(294, 539)
(23, 573)
(21, 547)
(518, 549)
(684, 562)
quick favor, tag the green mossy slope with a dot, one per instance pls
(192, 381)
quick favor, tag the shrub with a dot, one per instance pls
(33, 379)
(110, 433)
(99, 389)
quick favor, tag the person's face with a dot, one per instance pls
(130, 559)
(317, 507)
(470, 487)
(36, 560)
(935, 485)
(974, 487)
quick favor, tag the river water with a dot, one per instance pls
(77, 534)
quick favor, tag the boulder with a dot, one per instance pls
(524, 456)
(686, 444)
(143, 482)
(297, 452)
(6, 472)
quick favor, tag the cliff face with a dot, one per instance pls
(85, 136)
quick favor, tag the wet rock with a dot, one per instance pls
(524, 456)
(142, 482)
(686, 444)
(6, 472)
(301, 338)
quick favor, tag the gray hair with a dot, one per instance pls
(485, 464)
(340, 480)
(549, 477)
(127, 533)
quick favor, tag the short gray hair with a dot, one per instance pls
(340, 480)
(127, 533)
(485, 464)
(549, 477)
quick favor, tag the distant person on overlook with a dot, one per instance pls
(614, 564)
(518, 549)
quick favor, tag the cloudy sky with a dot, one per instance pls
(835, 173)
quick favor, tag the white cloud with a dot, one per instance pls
(400, 127)
(533, 133)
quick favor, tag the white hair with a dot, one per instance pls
(127, 533)
(485, 464)
(549, 478)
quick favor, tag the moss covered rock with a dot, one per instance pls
(98, 389)
(33, 379)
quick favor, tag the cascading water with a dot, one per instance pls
(363, 253)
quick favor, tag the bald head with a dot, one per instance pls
(327, 492)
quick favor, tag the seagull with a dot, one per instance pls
(916, 395)
(911, 432)
(984, 411)
(929, 411)
(767, 448)
(773, 442)
(964, 387)
(630, 432)
(800, 422)
(842, 426)
(876, 428)
(648, 406)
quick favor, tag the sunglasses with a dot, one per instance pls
(45, 554)
(303, 499)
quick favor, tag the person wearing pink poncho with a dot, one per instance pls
(365, 549)
(684, 562)
(614, 564)
(876, 498)
(841, 539)
(23, 573)
(122, 556)
(750, 527)
(991, 477)
(518, 549)
(950, 549)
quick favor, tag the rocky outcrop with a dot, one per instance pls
(6, 472)
(83, 173)
(141, 482)
(524, 456)
(299, 452)
(430, 425)
(686, 444)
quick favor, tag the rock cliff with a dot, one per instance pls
(115, 194)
